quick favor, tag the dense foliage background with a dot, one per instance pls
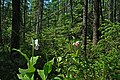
(60, 39)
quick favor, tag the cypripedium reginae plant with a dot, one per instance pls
(28, 74)
(76, 43)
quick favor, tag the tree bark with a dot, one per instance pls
(96, 21)
(71, 11)
(111, 11)
(0, 25)
(41, 14)
(119, 16)
(25, 11)
(115, 10)
(103, 3)
(3, 2)
(58, 9)
(101, 12)
(118, 11)
(15, 38)
(66, 6)
(84, 32)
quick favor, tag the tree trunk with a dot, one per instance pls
(15, 38)
(66, 6)
(101, 12)
(118, 11)
(111, 11)
(103, 3)
(96, 21)
(84, 32)
(1, 18)
(0, 25)
(41, 14)
(3, 3)
(37, 24)
(71, 11)
(114, 10)
(25, 11)
(119, 16)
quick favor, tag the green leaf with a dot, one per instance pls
(23, 71)
(20, 76)
(68, 46)
(41, 73)
(57, 78)
(29, 72)
(59, 59)
(33, 61)
(26, 57)
(74, 54)
(48, 67)
(31, 69)
(26, 77)
(30, 75)
(32, 78)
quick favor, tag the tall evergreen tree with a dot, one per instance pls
(115, 3)
(71, 10)
(96, 21)
(84, 34)
(25, 12)
(101, 12)
(0, 25)
(15, 38)
(118, 9)
(40, 4)
(111, 10)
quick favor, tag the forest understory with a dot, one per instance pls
(59, 39)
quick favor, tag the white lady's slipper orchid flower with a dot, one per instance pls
(73, 43)
(76, 43)
(36, 44)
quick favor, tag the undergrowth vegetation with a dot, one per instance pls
(46, 43)
(100, 62)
